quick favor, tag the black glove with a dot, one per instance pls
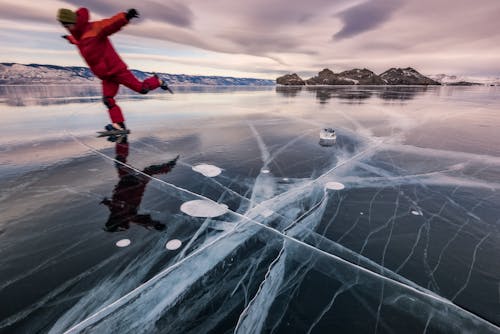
(65, 37)
(131, 13)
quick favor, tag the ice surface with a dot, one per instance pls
(394, 229)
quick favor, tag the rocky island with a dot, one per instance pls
(393, 76)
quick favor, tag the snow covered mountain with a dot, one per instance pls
(19, 74)
(12, 73)
(446, 79)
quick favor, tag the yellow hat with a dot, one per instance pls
(66, 15)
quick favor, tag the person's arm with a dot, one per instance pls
(113, 24)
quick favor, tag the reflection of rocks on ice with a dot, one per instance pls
(203, 208)
(334, 186)
(207, 170)
(123, 243)
(173, 244)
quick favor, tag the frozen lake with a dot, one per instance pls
(222, 213)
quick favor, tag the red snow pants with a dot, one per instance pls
(110, 88)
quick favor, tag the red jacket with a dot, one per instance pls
(94, 45)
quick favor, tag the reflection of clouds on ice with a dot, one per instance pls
(427, 179)
(444, 154)
(314, 233)
(265, 155)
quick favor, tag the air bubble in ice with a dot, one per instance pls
(173, 244)
(207, 170)
(123, 243)
(334, 186)
(203, 208)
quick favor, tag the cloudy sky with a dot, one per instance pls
(267, 38)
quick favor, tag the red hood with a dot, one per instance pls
(82, 20)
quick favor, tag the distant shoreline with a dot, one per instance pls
(20, 74)
(35, 74)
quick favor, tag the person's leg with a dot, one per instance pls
(109, 90)
(127, 79)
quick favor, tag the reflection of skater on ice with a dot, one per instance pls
(92, 40)
(128, 193)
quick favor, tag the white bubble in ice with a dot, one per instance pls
(173, 244)
(416, 213)
(286, 179)
(203, 208)
(123, 243)
(265, 171)
(207, 170)
(334, 186)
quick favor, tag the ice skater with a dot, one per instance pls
(92, 40)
